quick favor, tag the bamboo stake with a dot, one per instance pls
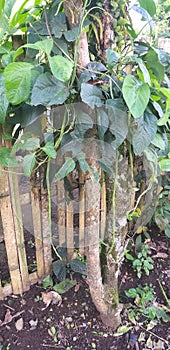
(61, 215)
(19, 233)
(69, 230)
(36, 215)
(81, 212)
(9, 233)
(45, 230)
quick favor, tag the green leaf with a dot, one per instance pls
(145, 132)
(49, 149)
(131, 293)
(91, 95)
(61, 67)
(31, 144)
(8, 7)
(47, 282)
(64, 286)
(83, 164)
(112, 58)
(83, 123)
(71, 35)
(48, 91)
(29, 163)
(4, 156)
(43, 45)
(149, 6)
(66, 168)
(152, 62)
(102, 122)
(3, 100)
(158, 142)
(167, 231)
(164, 164)
(122, 330)
(17, 81)
(136, 95)
(59, 270)
(76, 265)
(118, 126)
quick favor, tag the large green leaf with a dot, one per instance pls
(145, 132)
(78, 266)
(158, 141)
(83, 123)
(61, 67)
(102, 122)
(164, 164)
(136, 95)
(118, 125)
(48, 91)
(71, 35)
(112, 58)
(66, 168)
(3, 100)
(50, 150)
(31, 144)
(6, 158)
(8, 7)
(165, 118)
(153, 63)
(29, 163)
(43, 45)
(17, 81)
(149, 6)
(91, 95)
(59, 269)
(64, 286)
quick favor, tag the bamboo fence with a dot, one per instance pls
(68, 222)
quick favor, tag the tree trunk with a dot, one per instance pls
(104, 292)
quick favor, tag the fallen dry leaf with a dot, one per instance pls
(19, 324)
(160, 255)
(7, 319)
(51, 297)
(77, 287)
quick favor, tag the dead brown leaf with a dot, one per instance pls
(51, 297)
(77, 287)
(19, 324)
(160, 255)
(7, 319)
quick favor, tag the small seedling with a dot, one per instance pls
(141, 261)
(145, 305)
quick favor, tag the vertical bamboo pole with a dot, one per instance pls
(61, 215)
(46, 234)
(19, 233)
(9, 237)
(69, 230)
(81, 212)
(9, 233)
(36, 215)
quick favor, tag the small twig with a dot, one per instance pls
(164, 294)
(154, 334)
(18, 314)
(9, 307)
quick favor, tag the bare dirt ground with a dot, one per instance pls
(26, 322)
